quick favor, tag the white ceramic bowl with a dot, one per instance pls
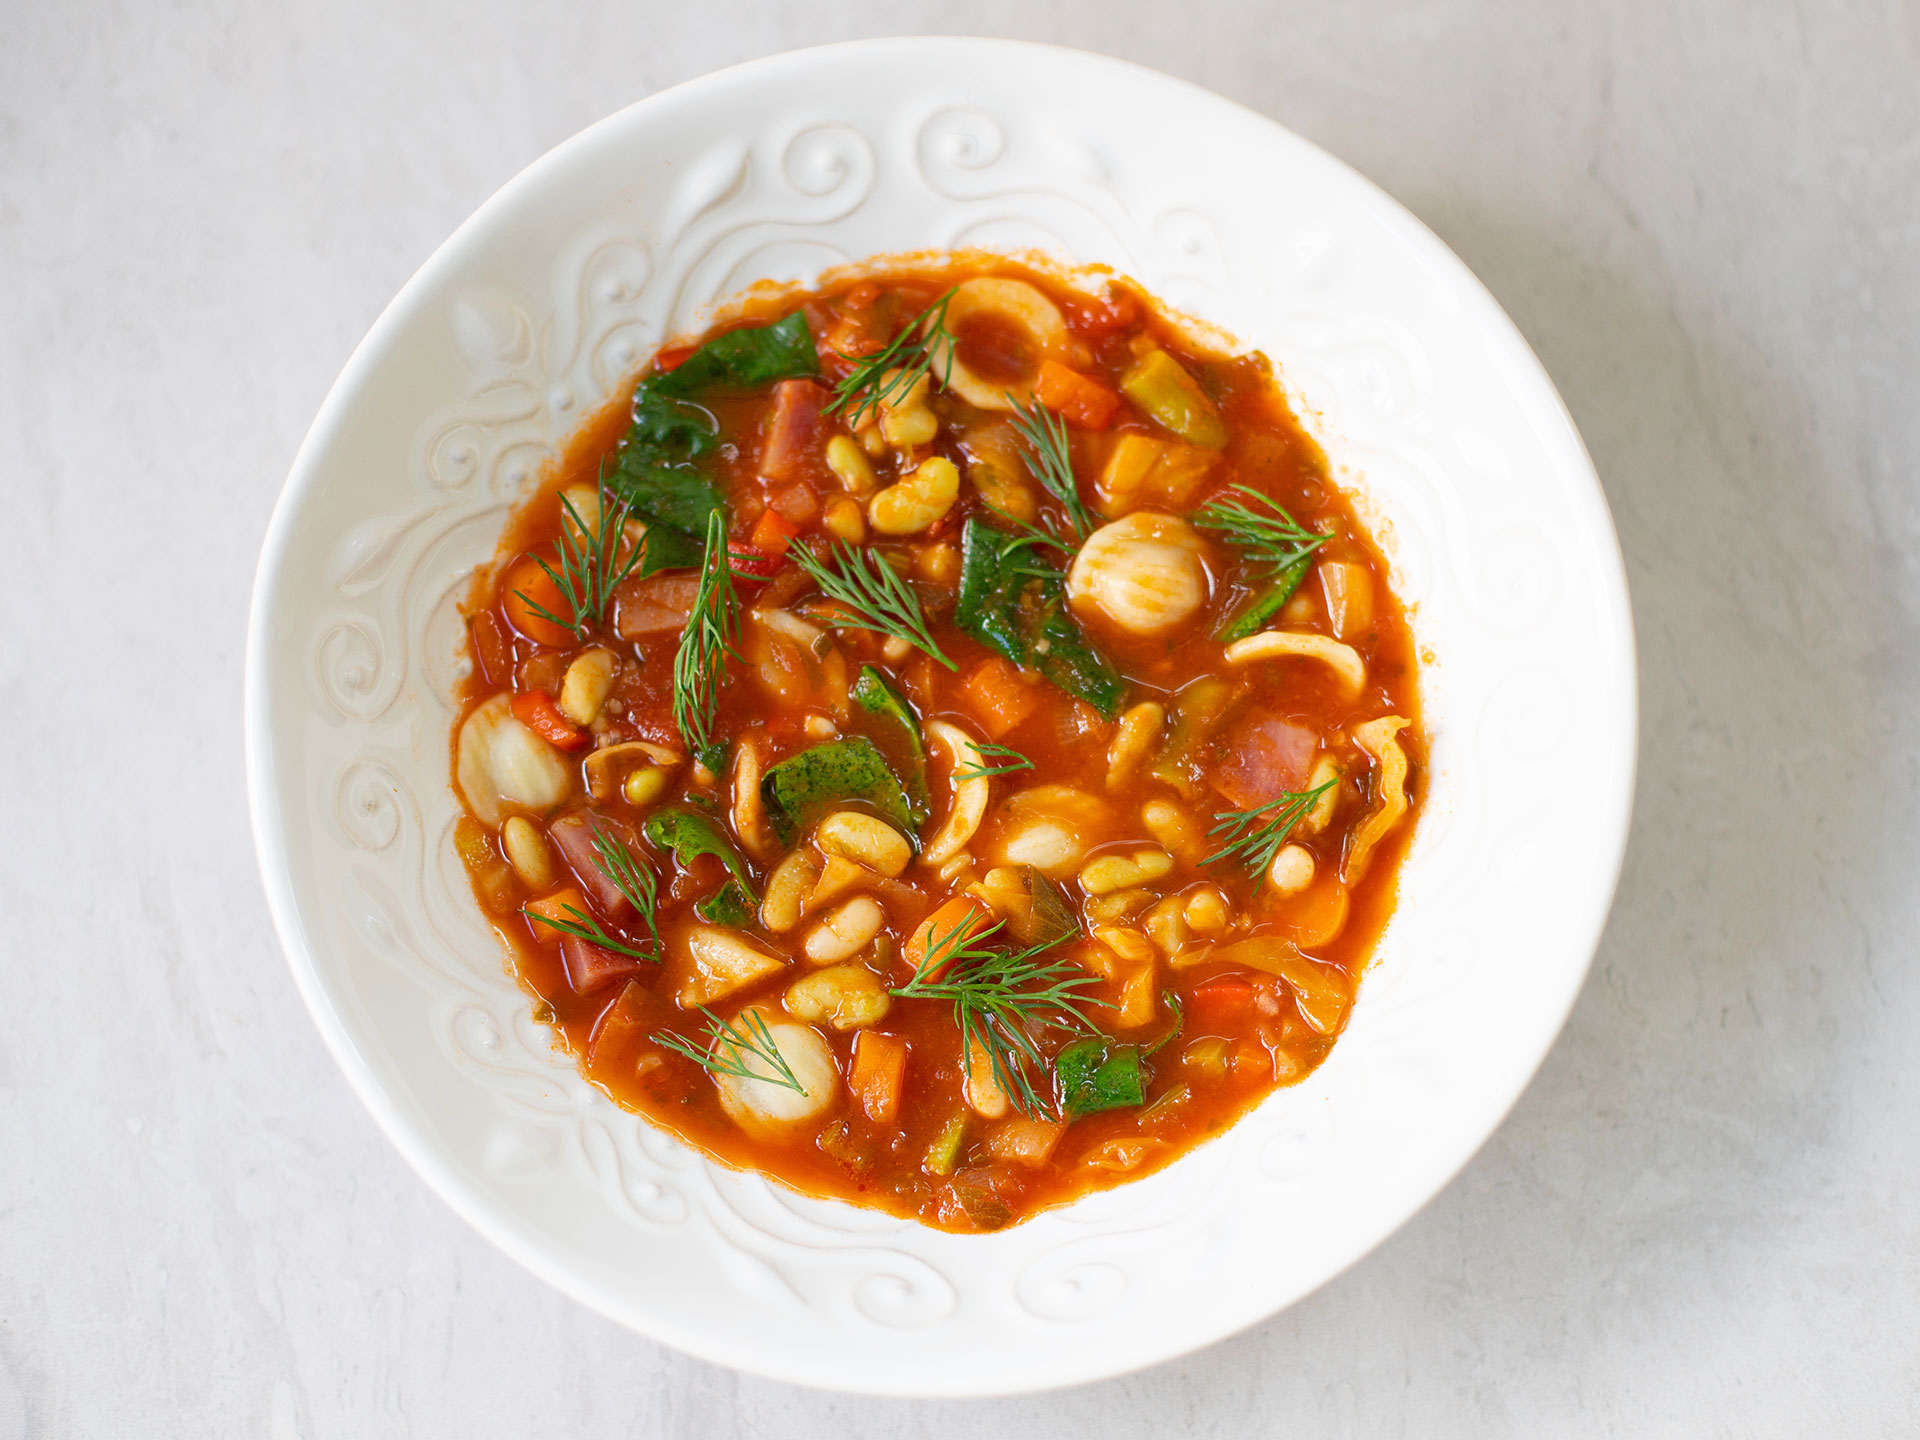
(1428, 403)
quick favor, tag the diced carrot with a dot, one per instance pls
(796, 503)
(535, 710)
(879, 1074)
(529, 589)
(1220, 1004)
(618, 1027)
(864, 295)
(1250, 1062)
(492, 651)
(998, 697)
(558, 906)
(772, 533)
(1081, 399)
(1022, 1141)
(949, 927)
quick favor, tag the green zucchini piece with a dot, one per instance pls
(880, 698)
(1161, 386)
(944, 1153)
(797, 790)
(1196, 710)
(1095, 1074)
(1264, 603)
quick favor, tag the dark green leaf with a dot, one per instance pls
(729, 905)
(745, 359)
(689, 835)
(877, 695)
(1017, 608)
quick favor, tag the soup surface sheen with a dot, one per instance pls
(942, 741)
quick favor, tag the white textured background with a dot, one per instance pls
(1700, 1221)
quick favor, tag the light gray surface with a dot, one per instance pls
(1700, 1220)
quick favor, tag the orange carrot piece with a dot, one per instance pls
(879, 1074)
(536, 710)
(962, 914)
(997, 696)
(527, 587)
(560, 905)
(1080, 399)
(772, 532)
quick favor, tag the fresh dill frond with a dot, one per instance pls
(998, 998)
(872, 592)
(730, 1049)
(592, 564)
(1012, 760)
(1253, 837)
(630, 876)
(1272, 538)
(912, 353)
(1052, 459)
(700, 664)
(587, 928)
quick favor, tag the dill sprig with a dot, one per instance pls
(632, 878)
(1052, 460)
(700, 663)
(912, 353)
(591, 564)
(1272, 538)
(587, 928)
(728, 1050)
(1013, 761)
(998, 996)
(873, 593)
(1254, 837)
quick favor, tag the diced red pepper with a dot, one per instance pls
(1080, 399)
(535, 710)
(672, 358)
(1222, 1004)
(755, 567)
(772, 533)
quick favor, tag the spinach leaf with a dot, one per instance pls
(688, 836)
(744, 359)
(1018, 609)
(730, 905)
(657, 471)
(796, 790)
(877, 695)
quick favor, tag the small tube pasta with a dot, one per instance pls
(970, 795)
(1381, 741)
(1344, 660)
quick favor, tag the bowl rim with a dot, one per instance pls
(265, 806)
